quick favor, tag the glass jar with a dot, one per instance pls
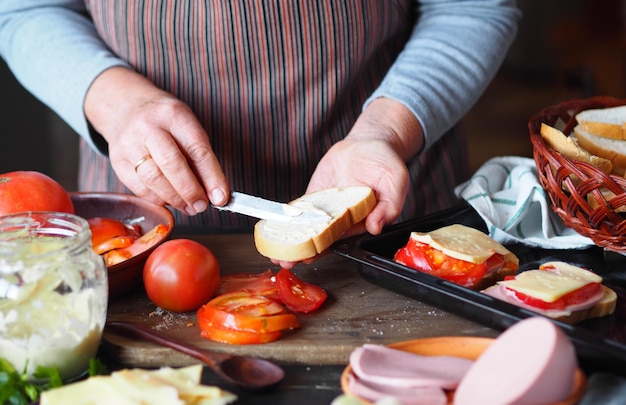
(53, 293)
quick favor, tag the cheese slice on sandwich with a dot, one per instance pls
(460, 254)
(463, 243)
(549, 286)
(558, 290)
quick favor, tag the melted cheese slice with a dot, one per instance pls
(552, 281)
(464, 243)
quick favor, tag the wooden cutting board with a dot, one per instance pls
(356, 312)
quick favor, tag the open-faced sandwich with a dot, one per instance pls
(460, 254)
(558, 290)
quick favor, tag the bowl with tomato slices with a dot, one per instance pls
(125, 230)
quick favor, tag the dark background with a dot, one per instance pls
(564, 49)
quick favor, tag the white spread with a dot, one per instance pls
(300, 231)
(50, 319)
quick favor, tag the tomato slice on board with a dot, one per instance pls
(245, 311)
(260, 284)
(574, 297)
(237, 337)
(298, 295)
(247, 303)
(423, 257)
(242, 317)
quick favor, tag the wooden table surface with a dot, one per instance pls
(355, 312)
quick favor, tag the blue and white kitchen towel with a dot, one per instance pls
(506, 192)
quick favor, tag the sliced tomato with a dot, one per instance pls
(237, 337)
(115, 256)
(242, 310)
(116, 242)
(141, 244)
(575, 297)
(423, 257)
(103, 229)
(242, 317)
(259, 283)
(247, 303)
(298, 295)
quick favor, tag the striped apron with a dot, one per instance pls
(274, 82)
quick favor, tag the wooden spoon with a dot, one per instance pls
(249, 373)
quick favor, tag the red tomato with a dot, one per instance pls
(242, 310)
(237, 337)
(23, 191)
(423, 257)
(180, 275)
(260, 284)
(103, 230)
(139, 245)
(297, 295)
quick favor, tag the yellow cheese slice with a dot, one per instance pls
(463, 243)
(164, 386)
(554, 281)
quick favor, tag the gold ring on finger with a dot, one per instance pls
(142, 161)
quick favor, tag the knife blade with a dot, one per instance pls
(271, 210)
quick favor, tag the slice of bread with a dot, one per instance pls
(297, 242)
(570, 148)
(605, 122)
(608, 148)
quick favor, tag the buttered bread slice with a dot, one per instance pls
(296, 242)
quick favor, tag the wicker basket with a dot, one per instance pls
(570, 183)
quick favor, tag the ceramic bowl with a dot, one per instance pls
(124, 276)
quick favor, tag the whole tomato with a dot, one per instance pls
(22, 191)
(181, 275)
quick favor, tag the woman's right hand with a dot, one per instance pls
(157, 147)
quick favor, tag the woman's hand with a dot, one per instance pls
(373, 154)
(157, 147)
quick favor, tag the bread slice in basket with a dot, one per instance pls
(300, 241)
(606, 154)
(572, 149)
(607, 148)
(605, 122)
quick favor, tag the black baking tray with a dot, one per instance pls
(600, 342)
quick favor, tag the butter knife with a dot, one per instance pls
(265, 209)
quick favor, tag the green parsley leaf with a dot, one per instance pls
(15, 389)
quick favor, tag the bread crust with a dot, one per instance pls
(611, 149)
(605, 130)
(297, 242)
(571, 149)
(607, 122)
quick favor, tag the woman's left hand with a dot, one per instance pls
(373, 154)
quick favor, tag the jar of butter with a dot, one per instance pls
(53, 293)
